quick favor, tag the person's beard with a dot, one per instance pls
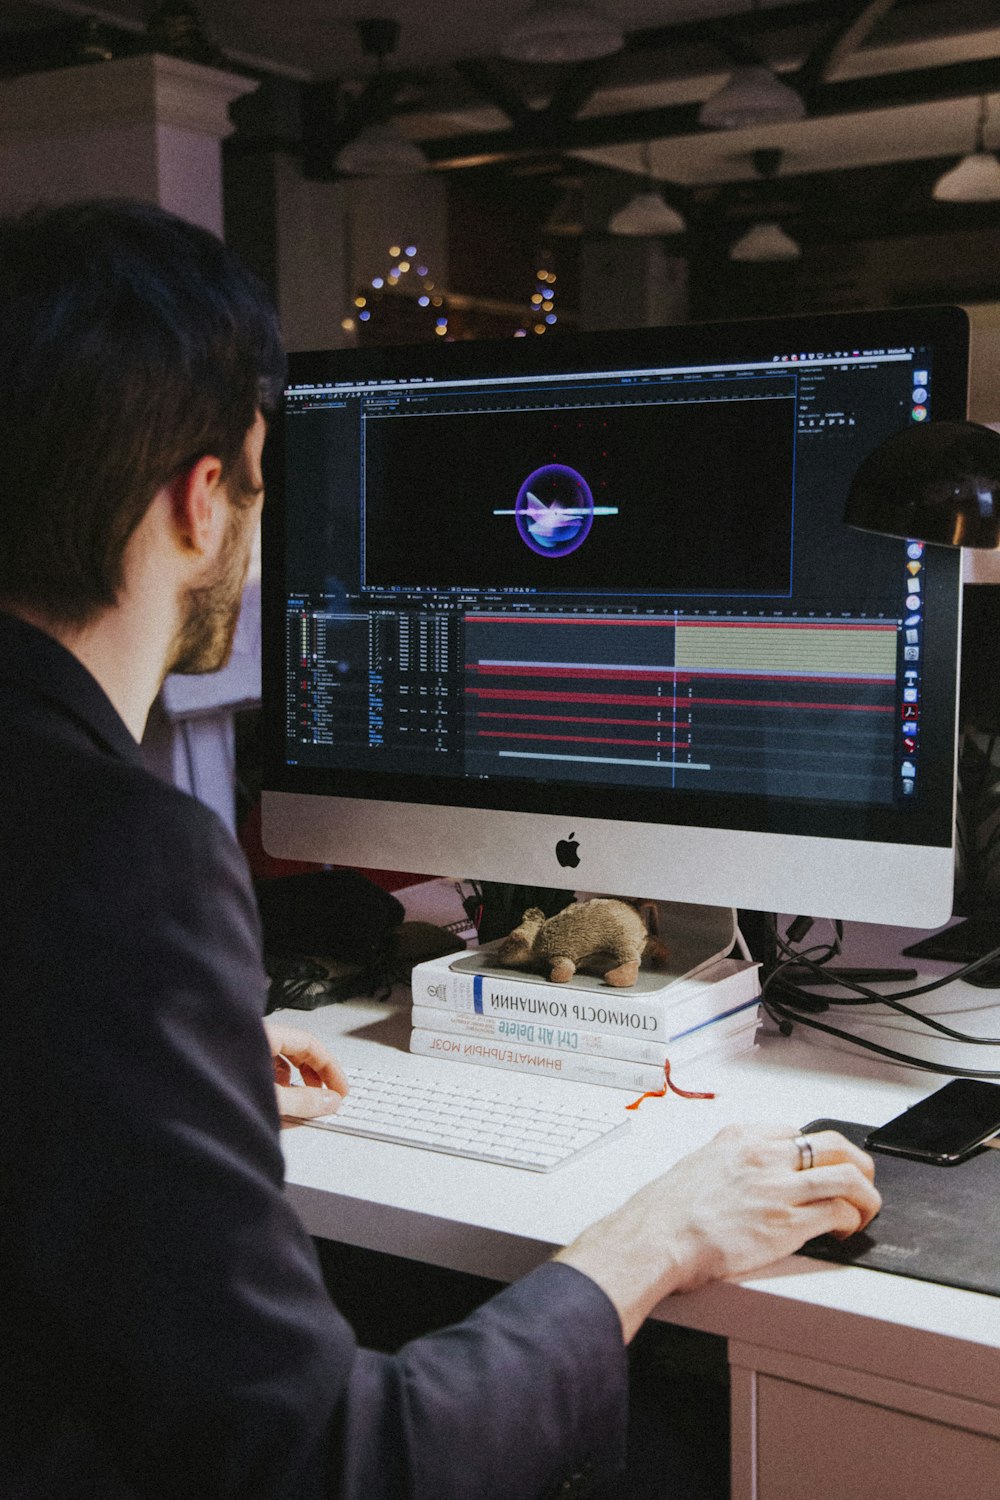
(205, 638)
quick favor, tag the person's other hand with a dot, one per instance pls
(743, 1200)
(738, 1203)
(324, 1080)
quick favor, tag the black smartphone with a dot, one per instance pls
(944, 1128)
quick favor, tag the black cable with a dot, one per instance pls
(872, 997)
(789, 1019)
(798, 929)
(787, 1013)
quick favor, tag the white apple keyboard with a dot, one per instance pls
(465, 1117)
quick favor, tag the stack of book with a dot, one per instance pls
(470, 1010)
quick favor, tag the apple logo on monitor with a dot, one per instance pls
(566, 852)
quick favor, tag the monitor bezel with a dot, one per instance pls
(932, 825)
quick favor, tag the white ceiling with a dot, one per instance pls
(317, 39)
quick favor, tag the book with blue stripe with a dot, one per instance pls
(511, 1030)
(660, 1012)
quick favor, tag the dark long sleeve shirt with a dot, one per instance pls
(164, 1327)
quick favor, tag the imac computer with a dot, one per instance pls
(584, 610)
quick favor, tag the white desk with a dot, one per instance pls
(846, 1382)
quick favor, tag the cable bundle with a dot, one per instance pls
(790, 999)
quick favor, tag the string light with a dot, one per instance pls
(402, 262)
(541, 305)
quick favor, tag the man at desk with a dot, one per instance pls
(166, 1330)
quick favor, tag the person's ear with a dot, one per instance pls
(198, 505)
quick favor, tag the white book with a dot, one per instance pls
(517, 1030)
(658, 1012)
(614, 1072)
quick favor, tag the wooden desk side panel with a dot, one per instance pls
(817, 1443)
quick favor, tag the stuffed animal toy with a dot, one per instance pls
(603, 936)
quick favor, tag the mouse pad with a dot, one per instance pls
(936, 1224)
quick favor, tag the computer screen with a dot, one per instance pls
(584, 610)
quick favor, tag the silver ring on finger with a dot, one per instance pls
(807, 1156)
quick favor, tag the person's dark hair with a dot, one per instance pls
(132, 343)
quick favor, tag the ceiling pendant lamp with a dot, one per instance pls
(976, 178)
(555, 31)
(648, 212)
(380, 150)
(765, 242)
(752, 96)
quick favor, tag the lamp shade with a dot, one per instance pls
(646, 214)
(936, 482)
(976, 179)
(380, 150)
(763, 242)
(752, 96)
(558, 31)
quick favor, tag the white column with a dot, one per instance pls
(313, 284)
(406, 210)
(631, 282)
(141, 127)
(331, 238)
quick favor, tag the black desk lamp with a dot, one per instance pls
(933, 482)
(939, 482)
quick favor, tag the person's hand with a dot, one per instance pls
(744, 1200)
(736, 1204)
(324, 1080)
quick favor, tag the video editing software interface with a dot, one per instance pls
(633, 577)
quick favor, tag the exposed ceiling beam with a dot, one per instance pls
(851, 96)
(854, 26)
(543, 125)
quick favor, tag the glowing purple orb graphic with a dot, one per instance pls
(554, 510)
